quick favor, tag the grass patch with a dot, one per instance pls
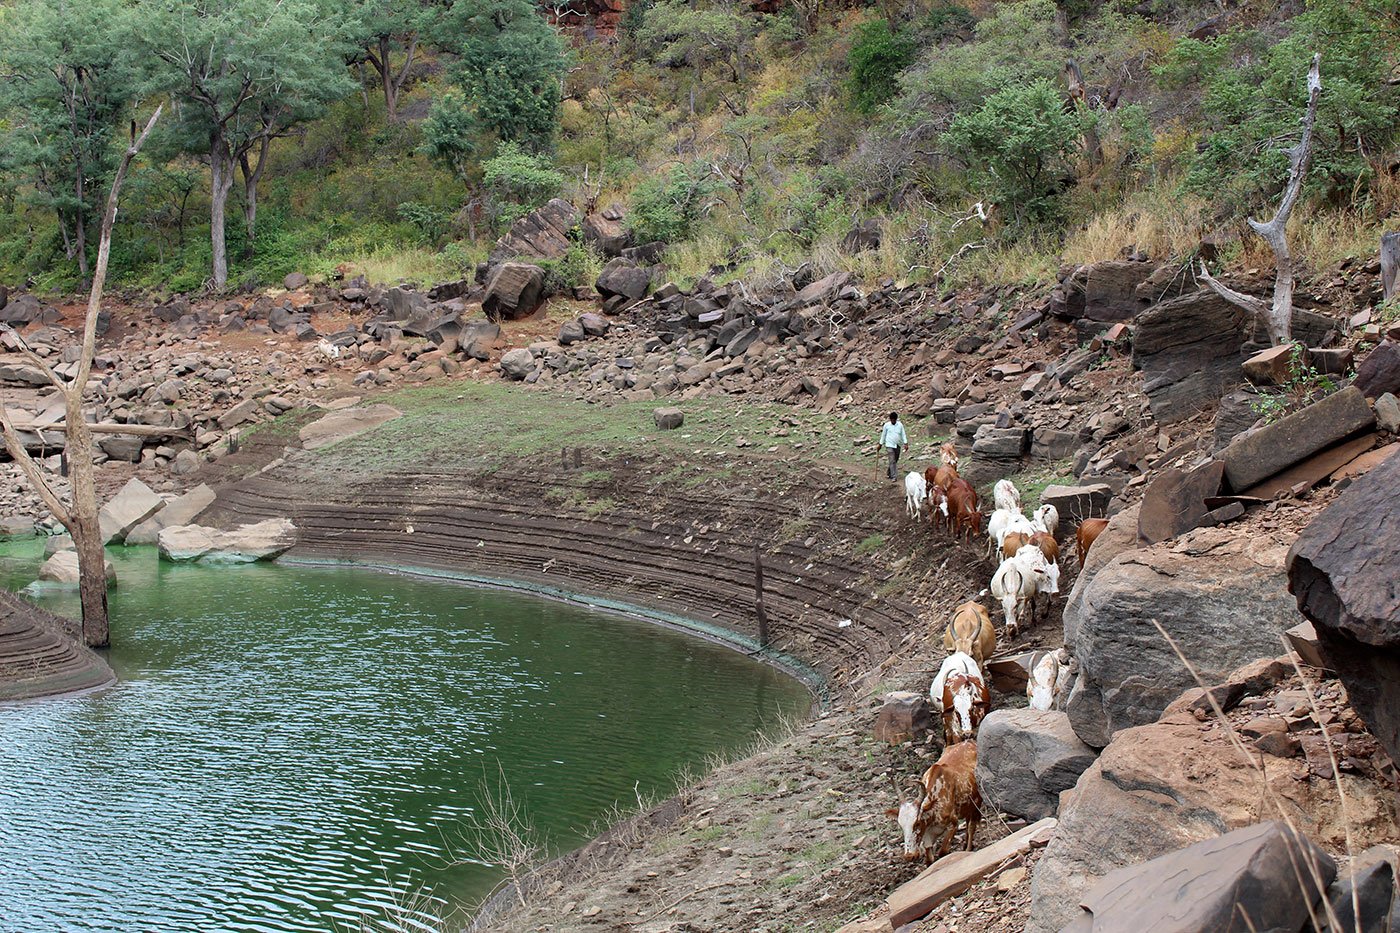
(872, 543)
(595, 476)
(459, 422)
(1032, 483)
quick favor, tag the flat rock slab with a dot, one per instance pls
(62, 568)
(180, 511)
(949, 876)
(1255, 457)
(135, 503)
(1260, 877)
(1175, 502)
(346, 423)
(264, 540)
(1076, 503)
(1313, 470)
(1026, 758)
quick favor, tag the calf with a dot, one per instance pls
(938, 507)
(971, 632)
(966, 703)
(947, 794)
(1086, 534)
(1046, 519)
(915, 491)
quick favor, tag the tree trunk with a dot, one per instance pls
(86, 531)
(386, 78)
(221, 181)
(1390, 265)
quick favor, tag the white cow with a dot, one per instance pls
(1047, 519)
(1005, 495)
(915, 492)
(955, 663)
(1016, 583)
(1047, 677)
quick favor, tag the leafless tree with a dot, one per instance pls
(1278, 317)
(79, 513)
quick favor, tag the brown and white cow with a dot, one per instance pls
(947, 795)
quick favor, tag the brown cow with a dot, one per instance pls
(1086, 534)
(962, 507)
(971, 631)
(947, 794)
(966, 703)
(1048, 546)
(1013, 542)
(938, 512)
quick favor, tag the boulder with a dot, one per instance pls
(21, 310)
(128, 508)
(1111, 289)
(865, 235)
(1379, 372)
(179, 511)
(570, 332)
(517, 363)
(185, 463)
(668, 419)
(1220, 596)
(1026, 757)
(594, 325)
(479, 337)
(121, 447)
(1331, 361)
(606, 233)
(515, 290)
(1260, 454)
(12, 525)
(823, 289)
(345, 423)
(266, 540)
(998, 443)
(1260, 877)
(1176, 782)
(1271, 367)
(904, 715)
(294, 280)
(1342, 570)
(245, 411)
(404, 304)
(1237, 413)
(1076, 503)
(1188, 349)
(1175, 501)
(1388, 413)
(62, 568)
(623, 277)
(540, 234)
(1373, 885)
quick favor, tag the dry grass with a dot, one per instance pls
(417, 266)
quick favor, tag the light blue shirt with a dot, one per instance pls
(892, 435)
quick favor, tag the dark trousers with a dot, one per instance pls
(894, 460)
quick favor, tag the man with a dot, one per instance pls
(892, 438)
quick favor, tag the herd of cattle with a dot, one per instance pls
(1028, 556)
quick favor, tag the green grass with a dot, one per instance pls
(457, 422)
(1032, 483)
(872, 543)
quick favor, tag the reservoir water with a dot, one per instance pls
(296, 748)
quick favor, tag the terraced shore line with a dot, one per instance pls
(39, 659)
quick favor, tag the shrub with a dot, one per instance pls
(667, 207)
(518, 181)
(877, 56)
(1019, 144)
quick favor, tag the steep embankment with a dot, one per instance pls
(37, 659)
(835, 600)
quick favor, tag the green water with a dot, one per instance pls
(294, 748)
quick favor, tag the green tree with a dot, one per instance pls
(1019, 144)
(714, 39)
(451, 133)
(511, 64)
(67, 79)
(385, 29)
(518, 181)
(667, 207)
(1252, 89)
(243, 73)
(877, 56)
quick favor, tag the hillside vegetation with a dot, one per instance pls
(398, 138)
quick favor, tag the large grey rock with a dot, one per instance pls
(540, 234)
(606, 232)
(1260, 454)
(1076, 503)
(904, 715)
(999, 443)
(264, 540)
(1344, 569)
(1026, 757)
(517, 363)
(668, 419)
(128, 508)
(125, 447)
(1221, 596)
(1237, 413)
(1388, 413)
(1173, 783)
(11, 525)
(515, 290)
(1111, 289)
(623, 277)
(179, 511)
(823, 289)
(1174, 503)
(1379, 372)
(1188, 349)
(570, 332)
(1263, 877)
(62, 568)
(346, 423)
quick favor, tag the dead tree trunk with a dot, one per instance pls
(1390, 265)
(79, 513)
(1278, 316)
